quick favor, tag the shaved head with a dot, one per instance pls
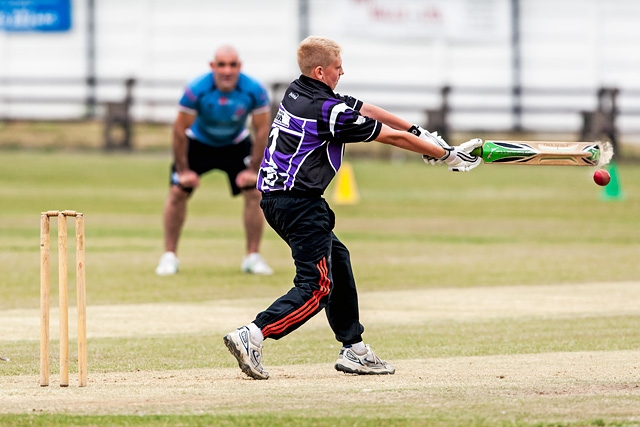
(226, 50)
(226, 68)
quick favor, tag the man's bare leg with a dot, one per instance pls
(254, 227)
(253, 220)
(175, 213)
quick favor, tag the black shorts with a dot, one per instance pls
(203, 158)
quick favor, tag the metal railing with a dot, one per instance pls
(114, 100)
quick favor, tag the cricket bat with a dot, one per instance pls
(545, 153)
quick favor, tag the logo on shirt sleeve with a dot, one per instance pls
(282, 119)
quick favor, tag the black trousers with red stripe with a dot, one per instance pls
(324, 278)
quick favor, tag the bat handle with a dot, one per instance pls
(477, 151)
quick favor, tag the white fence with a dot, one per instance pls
(397, 53)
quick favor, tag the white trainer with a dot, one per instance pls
(369, 364)
(255, 264)
(248, 355)
(168, 264)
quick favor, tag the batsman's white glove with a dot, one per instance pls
(431, 137)
(460, 158)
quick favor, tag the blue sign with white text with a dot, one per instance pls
(35, 15)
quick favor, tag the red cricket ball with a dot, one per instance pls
(601, 177)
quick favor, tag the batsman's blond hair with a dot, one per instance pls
(316, 51)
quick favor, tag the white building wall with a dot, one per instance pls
(566, 44)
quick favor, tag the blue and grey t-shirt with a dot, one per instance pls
(222, 116)
(307, 138)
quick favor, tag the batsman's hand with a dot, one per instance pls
(471, 144)
(431, 137)
(460, 158)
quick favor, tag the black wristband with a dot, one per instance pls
(414, 130)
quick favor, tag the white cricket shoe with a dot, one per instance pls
(255, 264)
(168, 264)
(369, 364)
(248, 354)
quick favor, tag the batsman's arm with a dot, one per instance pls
(457, 158)
(410, 142)
(383, 116)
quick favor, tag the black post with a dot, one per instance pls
(303, 19)
(516, 88)
(91, 60)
